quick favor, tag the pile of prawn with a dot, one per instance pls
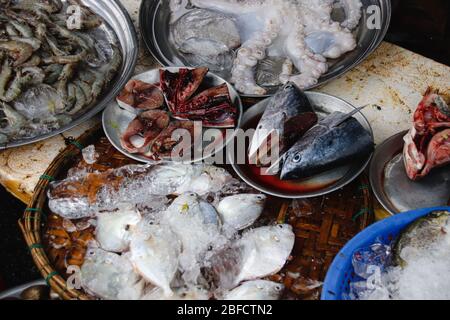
(52, 67)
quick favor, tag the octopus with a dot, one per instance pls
(300, 32)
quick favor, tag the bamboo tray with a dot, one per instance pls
(322, 225)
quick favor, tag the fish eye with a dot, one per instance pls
(289, 86)
(278, 288)
(4, 123)
(280, 226)
(297, 158)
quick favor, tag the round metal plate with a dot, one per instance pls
(322, 184)
(155, 19)
(395, 191)
(120, 22)
(15, 293)
(116, 119)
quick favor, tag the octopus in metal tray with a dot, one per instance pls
(301, 33)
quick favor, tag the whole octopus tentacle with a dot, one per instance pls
(287, 70)
(353, 13)
(243, 73)
(340, 39)
(310, 65)
(251, 52)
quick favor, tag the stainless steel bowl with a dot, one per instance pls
(395, 191)
(319, 185)
(155, 17)
(113, 12)
(116, 119)
(16, 293)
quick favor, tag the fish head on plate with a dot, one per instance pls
(427, 144)
(287, 117)
(325, 144)
(334, 141)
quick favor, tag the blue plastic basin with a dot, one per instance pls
(341, 274)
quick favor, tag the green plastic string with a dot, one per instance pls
(360, 213)
(50, 276)
(36, 210)
(33, 210)
(36, 246)
(77, 144)
(364, 187)
(47, 177)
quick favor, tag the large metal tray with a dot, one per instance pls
(113, 12)
(155, 18)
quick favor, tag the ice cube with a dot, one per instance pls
(365, 260)
(90, 155)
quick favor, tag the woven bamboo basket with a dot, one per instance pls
(322, 225)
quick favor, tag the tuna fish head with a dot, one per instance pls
(289, 115)
(332, 143)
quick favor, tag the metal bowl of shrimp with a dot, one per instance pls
(61, 63)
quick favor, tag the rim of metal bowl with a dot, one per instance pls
(122, 79)
(152, 46)
(376, 173)
(343, 182)
(14, 293)
(240, 107)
